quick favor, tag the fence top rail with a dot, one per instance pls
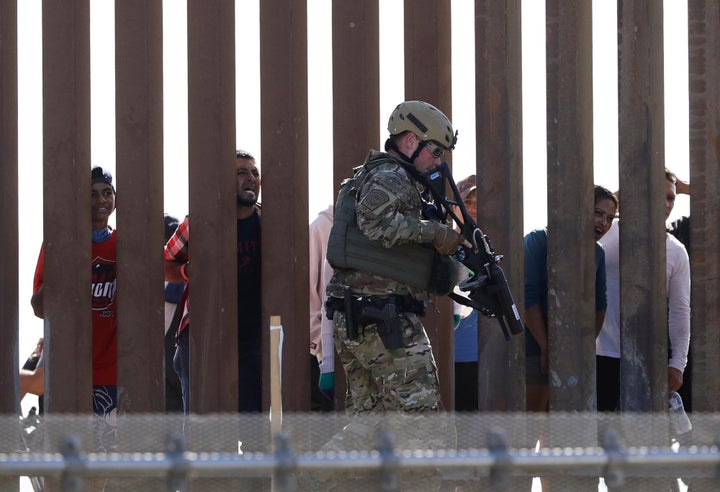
(695, 461)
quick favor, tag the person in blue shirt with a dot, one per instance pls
(536, 298)
(466, 327)
(466, 361)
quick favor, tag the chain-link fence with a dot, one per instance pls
(458, 453)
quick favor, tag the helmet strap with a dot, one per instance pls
(421, 146)
(391, 145)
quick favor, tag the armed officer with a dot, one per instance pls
(389, 255)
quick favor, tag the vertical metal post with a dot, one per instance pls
(284, 123)
(212, 173)
(177, 477)
(388, 476)
(643, 289)
(9, 313)
(356, 85)
(571, 246)
(356, 89)
(9, 208)
(428, 78)
(498, 106)
(704, 85)
(139, 112)
(281, 479)
(66, 205)
(72, 477)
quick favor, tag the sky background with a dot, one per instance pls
(320, 106)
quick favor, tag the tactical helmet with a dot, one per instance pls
(425, 120)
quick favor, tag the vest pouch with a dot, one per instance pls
(409, 263)
(336, 254)
(343, 219)
(348, 248)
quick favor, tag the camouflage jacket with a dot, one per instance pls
(388, 210)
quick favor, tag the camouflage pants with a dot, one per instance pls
(389, 391)
(379, 379)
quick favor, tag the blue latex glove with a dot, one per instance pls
(327, 385)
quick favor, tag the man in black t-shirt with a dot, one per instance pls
(249, 289)
(177, 268)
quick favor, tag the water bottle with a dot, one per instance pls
(679, 421)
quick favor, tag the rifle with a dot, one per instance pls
(487, 287)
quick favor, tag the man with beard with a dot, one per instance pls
(177, 268)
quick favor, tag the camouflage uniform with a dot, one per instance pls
(388, 210)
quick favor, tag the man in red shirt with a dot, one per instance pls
(104, 306)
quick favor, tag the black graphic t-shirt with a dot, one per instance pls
(249, 271)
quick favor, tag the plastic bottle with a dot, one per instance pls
(679, 421)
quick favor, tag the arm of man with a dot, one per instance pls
(37, 302)
(536, 324)
(600, 288)
(177, 261)
(682, 187)
(317, 244)
(32, 374)
(599, 320)
(379, 216)
(378, 206)
(535, 246)
(675, 379)
(173, 270)
(37, 299)
(327, 346)
(678, 312)
(32, 381)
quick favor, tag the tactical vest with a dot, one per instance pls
(417, 265)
